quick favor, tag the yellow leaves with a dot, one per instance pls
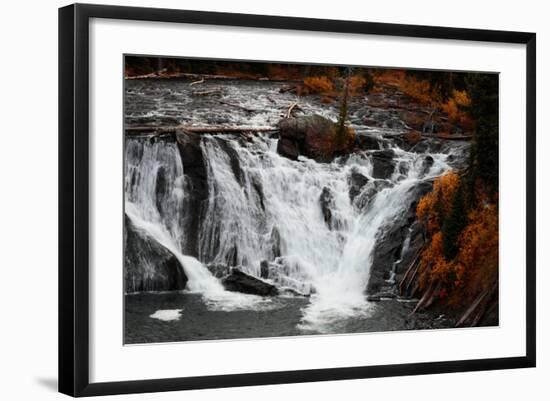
(461, 98)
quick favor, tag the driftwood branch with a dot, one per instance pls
(288, 88)
(292, 107)
(197, 82)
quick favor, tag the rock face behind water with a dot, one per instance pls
(314, 137)
(194, 165)
(390, 245)
(148, 266)
(242, 282)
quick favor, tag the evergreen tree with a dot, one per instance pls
(483, 169)
(454, 223)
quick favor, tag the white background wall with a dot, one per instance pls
(28, 204)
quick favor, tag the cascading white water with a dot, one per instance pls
(156, 184)
(154, 204)
(333, 260)
(264, 207)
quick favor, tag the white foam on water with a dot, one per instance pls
(167, 315)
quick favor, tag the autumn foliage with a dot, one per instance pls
(317, 85)
(473, 267)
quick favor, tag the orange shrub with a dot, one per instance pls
(320, 85)
(418, 89)
(357, 84)
(454, 108)
(474, 269)
(390, 77)
(461, 98)
(478, 255)
(437, 203)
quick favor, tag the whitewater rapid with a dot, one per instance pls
(264, 207)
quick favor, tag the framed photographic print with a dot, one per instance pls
(290, 200)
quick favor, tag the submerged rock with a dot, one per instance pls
(315, 137)
(148, 266)
(239, 281)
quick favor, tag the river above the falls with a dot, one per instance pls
(328, 235)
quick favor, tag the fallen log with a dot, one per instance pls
(410, 269)
(449, 137)
(472, 308)
(427, 295)
(199, 130)
(216, 92)
(479, 304)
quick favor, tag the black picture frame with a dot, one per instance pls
(74, 198)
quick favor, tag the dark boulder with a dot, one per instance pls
(427, 163)
(149, 266)
(315, 137)
(367, 142)
(239, 281)
(326, 200)
(288, 148)
(356, 182)
(219, 270)
(189, 146)
(383, 164)
(367, 195)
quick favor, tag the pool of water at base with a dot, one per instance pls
(196, 322)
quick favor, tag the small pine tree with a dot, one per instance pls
(341, 129)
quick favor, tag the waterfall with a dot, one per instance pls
(254, 192)
(154, 204)
(264, 207)
(232, 201)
